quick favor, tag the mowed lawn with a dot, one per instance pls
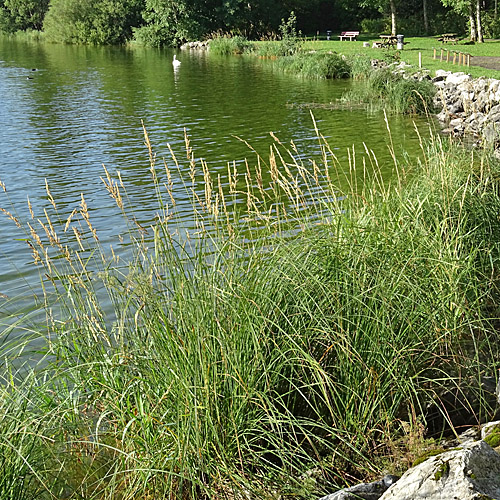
(426, 46)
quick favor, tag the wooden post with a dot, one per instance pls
(447, 55)
(441, 57)
(455, 57)
(468, 59)
(420, 59)
(434, 53)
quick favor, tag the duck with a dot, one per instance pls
(176, 62)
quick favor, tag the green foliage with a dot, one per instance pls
(289, 38)
(376, 26)
(493, 438)
(226, 45)
(171, 22)
(88, 22)
(491, 25)
(296, 333)
(361, 66)
(442, 471)
(316, 65)
(21, 15)
(384, 88)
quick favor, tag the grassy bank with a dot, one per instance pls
(433, 54)
(416, 45)
(280, 349)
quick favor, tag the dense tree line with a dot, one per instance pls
(170, 22)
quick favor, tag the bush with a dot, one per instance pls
(384, 88)
(316, 65)
(226, 45)
(90, 22)
(376, 26)
(303, 326)
(491, 25)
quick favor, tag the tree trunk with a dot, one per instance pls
(472, 22)
(393, 17)
(479, 27)
(426, 18)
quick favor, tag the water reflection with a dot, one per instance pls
(84, 107)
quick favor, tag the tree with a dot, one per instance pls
(16, 15)
(426, 17)
(384, 6)
(167, 22)
(105, 22)
(472, 9)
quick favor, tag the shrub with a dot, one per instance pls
(384, 88)
(226, 45)
(376, 26)
(303, 324)
(316, 65)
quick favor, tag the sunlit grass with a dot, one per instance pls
(416, 45)
(303, 326)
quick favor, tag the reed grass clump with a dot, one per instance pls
(229, 45)
(384, 89)
(306, 321)
(316, 65)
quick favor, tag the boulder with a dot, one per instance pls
(364, 491)
(491, 133)
(442, 73)
(457, 78)
(469, 472)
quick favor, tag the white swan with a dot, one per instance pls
(176, 62)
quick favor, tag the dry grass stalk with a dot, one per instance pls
(11, 217)
(113, 189)
(85, 214)
(30, 208)
(49, 194)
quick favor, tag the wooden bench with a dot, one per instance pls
(351, 35)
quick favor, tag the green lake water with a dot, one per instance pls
(65, 111)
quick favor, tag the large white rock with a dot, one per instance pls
(457, 78)
(469, 472)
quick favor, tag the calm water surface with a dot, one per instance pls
(65, 111)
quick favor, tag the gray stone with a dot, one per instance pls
(364, 491)
(495, 109)
(493, 117)
(442, 73)
(457, 123)
(470, 472)
(457, 78)
(491, 133)
(456, 107)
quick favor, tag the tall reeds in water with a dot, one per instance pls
(288, 344)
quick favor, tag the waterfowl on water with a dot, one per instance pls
(176, 62)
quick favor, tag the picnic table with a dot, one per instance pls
(387, 41)
(448, 37)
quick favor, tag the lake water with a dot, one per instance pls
(65, 111)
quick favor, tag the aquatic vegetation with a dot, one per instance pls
(316, 65)
(382, 88)
(228, 45)
(300, 325)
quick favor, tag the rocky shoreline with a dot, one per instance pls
(469, 471)
(469, 107)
